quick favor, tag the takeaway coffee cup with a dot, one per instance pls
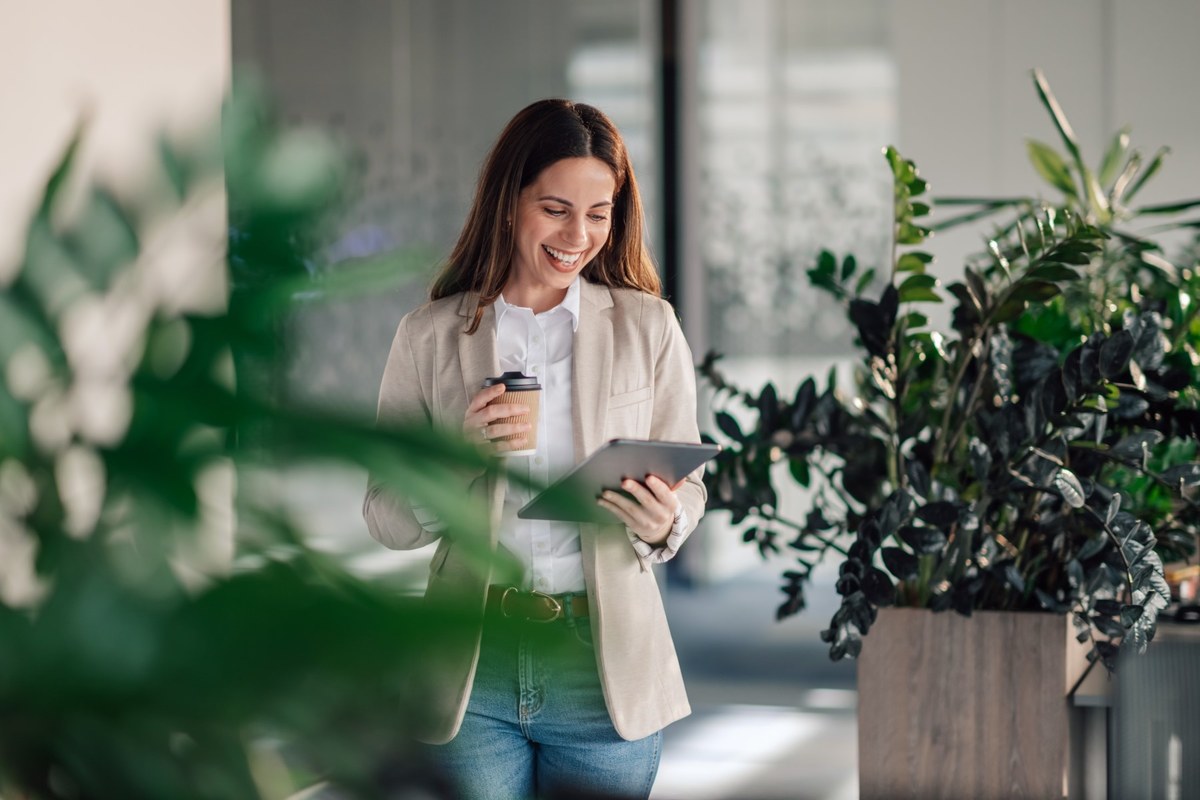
(520, 390)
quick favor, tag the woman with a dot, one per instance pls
(572, 674)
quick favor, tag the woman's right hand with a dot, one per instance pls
(480, 426)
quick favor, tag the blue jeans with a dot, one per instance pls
(536, 725)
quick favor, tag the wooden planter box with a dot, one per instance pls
(977, 707)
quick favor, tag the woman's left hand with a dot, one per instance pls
(648, 510)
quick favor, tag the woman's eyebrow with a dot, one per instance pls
(566, 202)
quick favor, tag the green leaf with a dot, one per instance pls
(1131, 614)
(901, 563)
(62, 171)
(864, 280)
(1065, 256)
(1035, 291)
(729, 426)
(918, 288)
(907, 233)
(1095, 198)
(826, 263)
(1182, 476)
(1115, 354)
(849, 265)
(1054, 272)
(1147, 173)
(919, 295)
(1051, 166)
(800, 471)
(924, 541)
(987, 209)
(913, 262)
(1113, 157)
(1009, 310)
(1122, 182)
(103, 239)
(1170, 208)
(920, 209)
(940, 513)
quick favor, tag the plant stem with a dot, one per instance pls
(1152, 476)
(1120, 550)
(787, 523)
(966, 354)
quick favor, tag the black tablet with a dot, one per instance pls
(573, 497)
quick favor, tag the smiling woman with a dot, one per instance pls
(550, 278)
(562, 222)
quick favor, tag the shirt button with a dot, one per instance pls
(534, 369)
(537, 460)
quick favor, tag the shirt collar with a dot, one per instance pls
(570, 304)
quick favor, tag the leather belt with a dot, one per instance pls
(509, 602)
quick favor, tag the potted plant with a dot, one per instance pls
(1038, 457)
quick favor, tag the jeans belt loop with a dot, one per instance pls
(568, 605)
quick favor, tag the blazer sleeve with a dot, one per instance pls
(673, 417)
(390, 518)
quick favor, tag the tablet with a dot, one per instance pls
(573, 497)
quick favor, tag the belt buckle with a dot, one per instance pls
(552, 604)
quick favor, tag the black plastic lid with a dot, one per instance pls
(515, 381)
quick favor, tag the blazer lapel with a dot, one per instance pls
(477, 353)
(590, 387)
(478, 359)
(591, 383)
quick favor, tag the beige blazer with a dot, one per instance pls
(633, 378)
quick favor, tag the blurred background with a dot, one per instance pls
(755, 127)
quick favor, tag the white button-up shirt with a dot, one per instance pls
(540, 345)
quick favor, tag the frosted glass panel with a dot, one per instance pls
(795, 102)
(418, 90)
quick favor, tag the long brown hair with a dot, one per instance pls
(539, 135)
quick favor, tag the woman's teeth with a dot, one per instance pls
(565, 258)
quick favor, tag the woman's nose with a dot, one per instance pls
(575, 231)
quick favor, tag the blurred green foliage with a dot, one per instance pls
(139, 350)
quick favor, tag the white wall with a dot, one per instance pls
(128, 66)
(967, 103)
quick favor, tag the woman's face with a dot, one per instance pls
(563, 219)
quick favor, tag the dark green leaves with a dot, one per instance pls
(900, 562)
(729, 426)
(1115, 354)
(874, 321)
(1007, 463)
(923, 540)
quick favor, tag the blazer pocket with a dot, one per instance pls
(628, 414)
